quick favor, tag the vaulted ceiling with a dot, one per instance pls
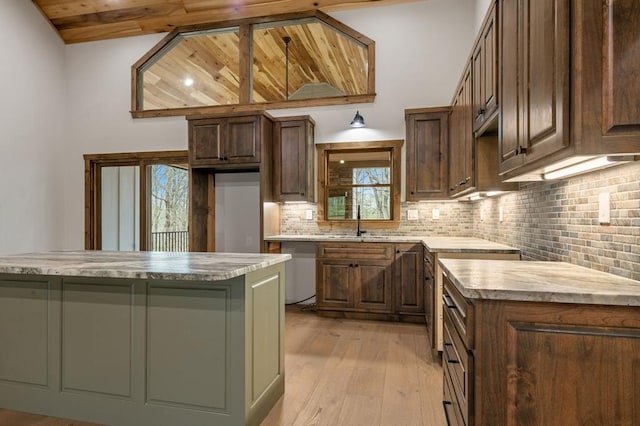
(89, 20)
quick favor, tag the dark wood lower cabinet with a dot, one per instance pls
(534, 363)
(370, 280)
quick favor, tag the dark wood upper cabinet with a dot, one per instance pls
(569, 84)
(293, 147)
(535, 80)
(485, 72)
(220, 144)
(461, 155)
(427, 153)
(228, 142)
(605, 83)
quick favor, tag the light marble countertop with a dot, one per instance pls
(539, 282)
(434, 244)
(139, 265)
(347, 238)
(465, 245)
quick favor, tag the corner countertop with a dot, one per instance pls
(539, 282)
(139, 265)
(433, 244)
(465, 245)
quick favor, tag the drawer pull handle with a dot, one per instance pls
(448, 302)
(447, 357)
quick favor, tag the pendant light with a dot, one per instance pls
(358, 120)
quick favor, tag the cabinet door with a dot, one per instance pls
(485, 72)
(461, 175)
(430, 314)
(409, 283)
(242, 140)
(373, 282)
(477, 69)
(607, 112)
(334, 283)
(535, 74)
(293, 154)
(205, 141)
(427, 154)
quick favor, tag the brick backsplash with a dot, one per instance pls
(559, 220)
(546, 220)
(456, 219)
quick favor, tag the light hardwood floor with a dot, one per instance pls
(341, 372)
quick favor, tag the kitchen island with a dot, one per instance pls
(539, 343)
(142, 338)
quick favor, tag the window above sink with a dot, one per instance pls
(359, 177)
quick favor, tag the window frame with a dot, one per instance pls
(395, 150)
(246, 66)
(93, 164)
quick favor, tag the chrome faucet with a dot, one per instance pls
(359, 232)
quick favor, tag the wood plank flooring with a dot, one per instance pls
(351, 372)
(341, 372)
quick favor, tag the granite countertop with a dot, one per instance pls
(434, 244)
(539, 282)
(465, 245)
(347, 238)
(140, 265)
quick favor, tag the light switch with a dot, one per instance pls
(412, 214)
(435, 214)
(604, 208)
(309, 214)
(501, 214)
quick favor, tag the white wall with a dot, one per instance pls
(481, 8)
(32, 125)
(60, 102)
(420, 50)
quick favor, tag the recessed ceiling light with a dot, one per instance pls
(188, 82)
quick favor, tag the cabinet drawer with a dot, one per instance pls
(460, 311)
(356, 251)
(429, 262)
(457, 364)
(450, 404)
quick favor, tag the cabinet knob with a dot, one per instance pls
(521, 150)
(411, 192)
(351, 265)
(462, 182)
(397, 251)
(357, 265)
(302, 193)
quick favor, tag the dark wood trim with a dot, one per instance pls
(245, 34)
(246, 63)
(257, 107)
(395, 146)
(93, 164)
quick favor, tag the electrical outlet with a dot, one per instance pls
(604, 208)
(435, 214)
(308, 214)
(412, 214)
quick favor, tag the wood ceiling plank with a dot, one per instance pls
(56, 9)
(120, 15)
(100, 32)
(80, 20)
